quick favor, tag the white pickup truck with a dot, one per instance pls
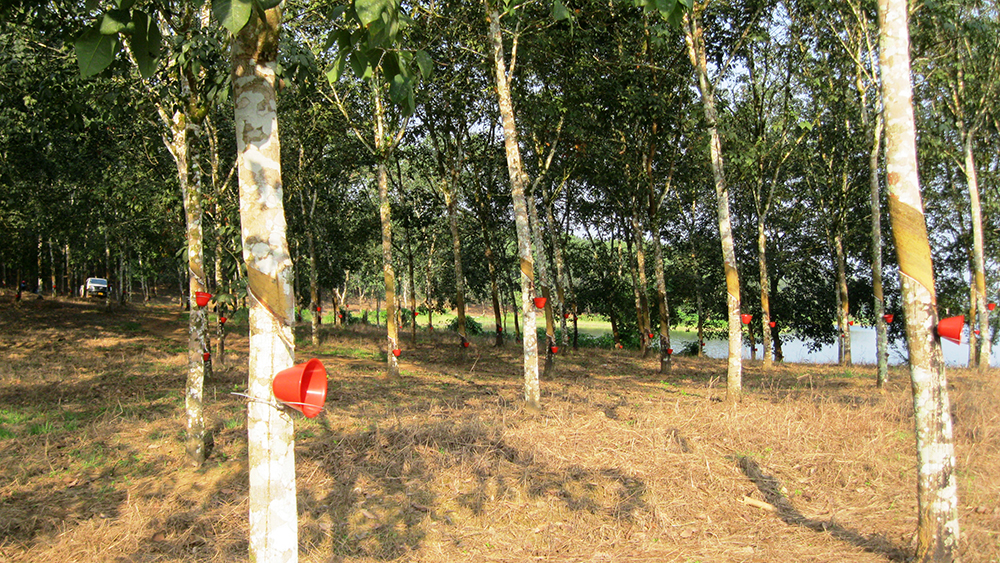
(94, 287)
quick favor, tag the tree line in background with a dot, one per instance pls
(398, 124)
(612, 139)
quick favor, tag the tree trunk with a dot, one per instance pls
(494, 289)
(518, 181)
(874, 131)
(645, 327)
(314, 297)
(544, 284)
(694, 37)
(456, 252)
(385, 214)
(557, 256)
(937, 499)
(978, 261)
(701, 325)
(429, 287)
(273, 535)
(182, 144)
(413, 290)
(765, 293)
(844, 305)
(661, 298)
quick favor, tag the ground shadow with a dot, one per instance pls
(381, 486)
(770, 487)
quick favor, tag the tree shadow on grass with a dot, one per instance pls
(382, 486)
(770, 487)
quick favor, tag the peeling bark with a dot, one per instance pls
(694, 37)
(937, 498)
(518, 182)
(273, 513)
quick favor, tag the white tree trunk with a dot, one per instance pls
(937, 497)
(271, 444)
(694, 36)
(518, 181)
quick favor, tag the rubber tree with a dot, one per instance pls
(518, 183)
(937, 499)
(850, 26)
(182, 110)
(367, 38)
(694, 34)
(966, 41)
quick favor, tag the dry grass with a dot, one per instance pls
(623, 464)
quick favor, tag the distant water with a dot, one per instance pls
(863, 350)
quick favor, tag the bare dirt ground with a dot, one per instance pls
(623, 464)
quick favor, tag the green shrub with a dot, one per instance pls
(472, 326)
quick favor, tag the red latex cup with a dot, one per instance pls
(888, 317)
(540, 302)
(302, 387)
(746, 318)
(397, 352)
(202, 298)
(951, 328)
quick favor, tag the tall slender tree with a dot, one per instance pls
(937, 500)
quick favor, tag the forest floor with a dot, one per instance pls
(622, 464)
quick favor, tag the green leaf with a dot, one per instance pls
(333, 75)
(114, 22)
(400, 89)
(232, 14)
(359, 64)
(91, 5)
(390, 64)
(95, 51)
(371, 10)
(145, 43)
(125, 4)
(267, 4)
(425, 64)
(560, 12)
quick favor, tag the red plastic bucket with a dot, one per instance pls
(202, 298)
(540, 302)
(951, 328)
(302, 387)
(746, 318)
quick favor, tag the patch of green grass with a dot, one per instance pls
(355, 353)
(233, 423)
(39, 428)
(131, 326)
(12, 417)
(4, 433)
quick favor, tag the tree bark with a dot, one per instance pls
(271, 444)
(937, 498)
(694, 37)
(978, 261)
(645, 327)
(544, 283)
(385, 214)
(451, 201)
(518, 181)
(180, 145)
(843, 304)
